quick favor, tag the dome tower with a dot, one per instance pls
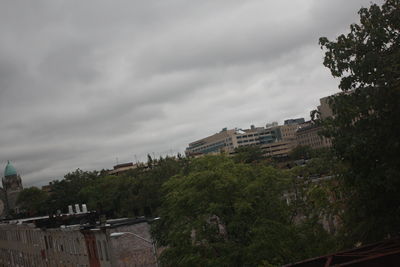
(12, 185)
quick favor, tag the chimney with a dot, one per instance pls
(70, 210)
(77, 208)
(84, 208)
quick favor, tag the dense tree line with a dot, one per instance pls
(215, 210)
(133, 193)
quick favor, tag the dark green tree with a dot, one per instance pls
(248, 154)
(223, 213)
(66, 191)
(366, 123)
(134, 193)
(32, 201)
(301, 152)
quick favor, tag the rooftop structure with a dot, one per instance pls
(294, 121)
(124, 167)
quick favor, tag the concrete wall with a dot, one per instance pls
(130, 249)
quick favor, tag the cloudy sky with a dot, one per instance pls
(83, 83)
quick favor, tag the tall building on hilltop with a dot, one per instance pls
(216, 143)
(226, 141)
(12, 186)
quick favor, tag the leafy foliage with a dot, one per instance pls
(223, 213)
(301, 152)
(135, 193)
(248, 154)
(366, 124)
(66, 191)
(215, 210)
(32, 200)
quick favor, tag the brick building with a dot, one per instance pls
(76, 240)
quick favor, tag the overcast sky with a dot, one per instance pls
(85, 82)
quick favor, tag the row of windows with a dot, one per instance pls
(72, 246)
(311, 140)
(246, 136)
(256, 134)
(51, 243)
(247, 141)
(212, 147)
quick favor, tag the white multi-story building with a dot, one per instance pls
(226, 141)
(275, 140)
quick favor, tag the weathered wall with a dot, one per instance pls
(130, 250)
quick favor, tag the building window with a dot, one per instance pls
(45, 242)
(50, 242)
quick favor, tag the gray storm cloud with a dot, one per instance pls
(85, 82)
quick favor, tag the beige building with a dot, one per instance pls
(216, 143)
(276, 140)
(308, 136)
(288, 131)
(227, 141)
(278, 149)
(124, 167)
(324, 109)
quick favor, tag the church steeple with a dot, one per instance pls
(9, 170)
(12, 186)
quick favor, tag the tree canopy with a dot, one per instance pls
(366, 124)
(32, 201)
(222, 213)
